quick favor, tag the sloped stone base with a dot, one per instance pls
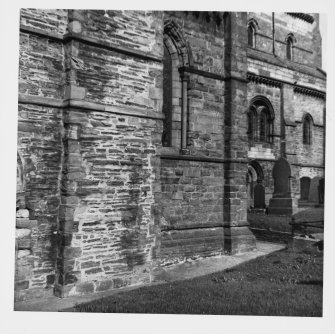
(238, 240)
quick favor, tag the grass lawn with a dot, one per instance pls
(265, 227)
(284, 283)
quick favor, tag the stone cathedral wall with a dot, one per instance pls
(102, 202)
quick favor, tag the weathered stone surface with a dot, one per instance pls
(107, 203)
(22, 233)
(84, 288)
(23, 223)
(104, 285)
(132, 29)
(177, 245)
(21, 285)
(22, 213)
(23, 253)
(50, 20)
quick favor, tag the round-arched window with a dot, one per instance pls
(260, 120)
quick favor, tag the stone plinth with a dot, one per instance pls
(280, 206)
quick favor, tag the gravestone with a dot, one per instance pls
(305, 183)
(314, 190)
(259, 196)
(321, 191)
(281, 174)
(281, 202)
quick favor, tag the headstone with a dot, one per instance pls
(281, 202)
(314, 190)
(281, 174)
(321, 191)
(259, 196)
(305, 183)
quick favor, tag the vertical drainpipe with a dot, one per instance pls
(273, 33)
(184, 78)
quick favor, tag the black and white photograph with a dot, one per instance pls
(170, 162)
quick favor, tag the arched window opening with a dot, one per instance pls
(167, 97)
(289, 48)
(260, 120)
(251, 35)
(252, 124)
(264, 125)
(307, 131)
(175, 87)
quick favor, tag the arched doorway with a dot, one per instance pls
(255, 188)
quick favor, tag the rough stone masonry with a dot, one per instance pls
(143, 134)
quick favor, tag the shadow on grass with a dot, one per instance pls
(311, 282)
(284, 283)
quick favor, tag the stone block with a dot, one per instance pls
(104, 285)
(33, 293)
(178, 195)
(23, 253)
(75, 26)
(89, 264)
(24, 223)
(75, 93)
(22, 213)
(23, 272)
(72, 252)
(21, 285)
(280, 206)
(118, 283)
(84, 288)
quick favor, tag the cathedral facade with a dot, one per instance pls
(145, 137)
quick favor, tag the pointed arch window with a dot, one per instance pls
(175, 87)
(167, 97)
(252, 29)
(307, 130)
(289, 48)
(251, 35)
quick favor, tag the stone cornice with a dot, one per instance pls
(201, 158)
(100, 43)
(260, 79)
(302, 16)
(309, 91)
(89, 106)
